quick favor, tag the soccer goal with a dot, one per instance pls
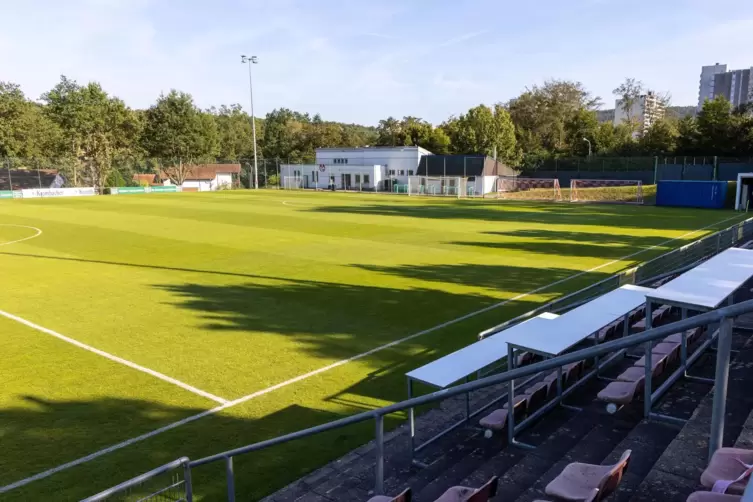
(447, 186)
(292, 182)
(512, 187)
(615, 191)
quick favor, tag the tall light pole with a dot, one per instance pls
(252, 60)
(584, 139)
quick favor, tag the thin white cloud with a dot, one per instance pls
(462, 38)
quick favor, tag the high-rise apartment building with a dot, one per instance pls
(646, 110)
(735, 85)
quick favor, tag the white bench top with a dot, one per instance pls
(477, 356)
(581, 322)
(710, 283)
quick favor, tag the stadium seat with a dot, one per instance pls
(523, 359)
(465, 494)
(712, 497)
(592, 497)
(729, 470)
(632, 374)
(403, 497)
(578, 481)
(656, 315)
(537, 394)
(671, 350)
(495, 421)
(621, 393)
(658, 361)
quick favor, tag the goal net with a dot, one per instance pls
(512, 187)
(623, 191)
(292, 183)
(447, 186)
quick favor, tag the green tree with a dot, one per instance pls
(716, 128)
(541, 115)
(628, 93)
(283, 136)
(235, 134)
(96, 128)
(25, 131)
(484, 130)
(660, 138)
(180, 134)
(688, 137)
(581, 126)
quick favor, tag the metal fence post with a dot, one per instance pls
(230, 479)
(187, 480)
(724, 344)
(379, 467)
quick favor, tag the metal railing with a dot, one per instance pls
(177, 490)
(705, 319)
(669, 263)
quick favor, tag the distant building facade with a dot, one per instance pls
(735, 85)
(646, 110)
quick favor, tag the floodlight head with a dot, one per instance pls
(243, 58)
(254, 59)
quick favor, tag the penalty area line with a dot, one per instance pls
(332, 366)
(114, 358)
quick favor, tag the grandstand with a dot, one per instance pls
(620, 400)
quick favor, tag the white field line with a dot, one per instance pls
(334, 365)
(111, 357)
(39, 232)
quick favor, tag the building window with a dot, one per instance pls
(392, 172)
(402, 172)
(340, 161)
(365, 179)
(358, 178)
(410, 172)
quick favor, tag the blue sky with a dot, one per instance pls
(359, 61)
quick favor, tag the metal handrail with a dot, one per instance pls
(704, 319)
(587, 353)
(138, 480)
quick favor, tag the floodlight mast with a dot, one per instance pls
(252, 60)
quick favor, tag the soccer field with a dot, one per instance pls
(140, 328)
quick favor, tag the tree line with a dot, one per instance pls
(96, 138)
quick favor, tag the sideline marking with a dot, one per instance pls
(112, 357)
(39, 232)
(229, 404)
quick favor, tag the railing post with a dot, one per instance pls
(724, 345)
(230, 479)
(187, 481)
(379, 466)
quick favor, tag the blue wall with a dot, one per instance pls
(706, 194)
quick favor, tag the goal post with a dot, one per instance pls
(292, 183)
(614, 191)
(444, 186)
(515, 188)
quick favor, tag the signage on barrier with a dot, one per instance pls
(167, 188)
(6, 194)
(57, 192)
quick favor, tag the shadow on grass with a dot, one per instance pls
(49, 433)
(335, 320)
(626, 216)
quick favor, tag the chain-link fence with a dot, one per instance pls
(645, 274)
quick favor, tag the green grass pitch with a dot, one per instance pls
(235, 292)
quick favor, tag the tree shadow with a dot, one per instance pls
(333, 320)
(49, 433)
(499, 277)
(627, 216)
